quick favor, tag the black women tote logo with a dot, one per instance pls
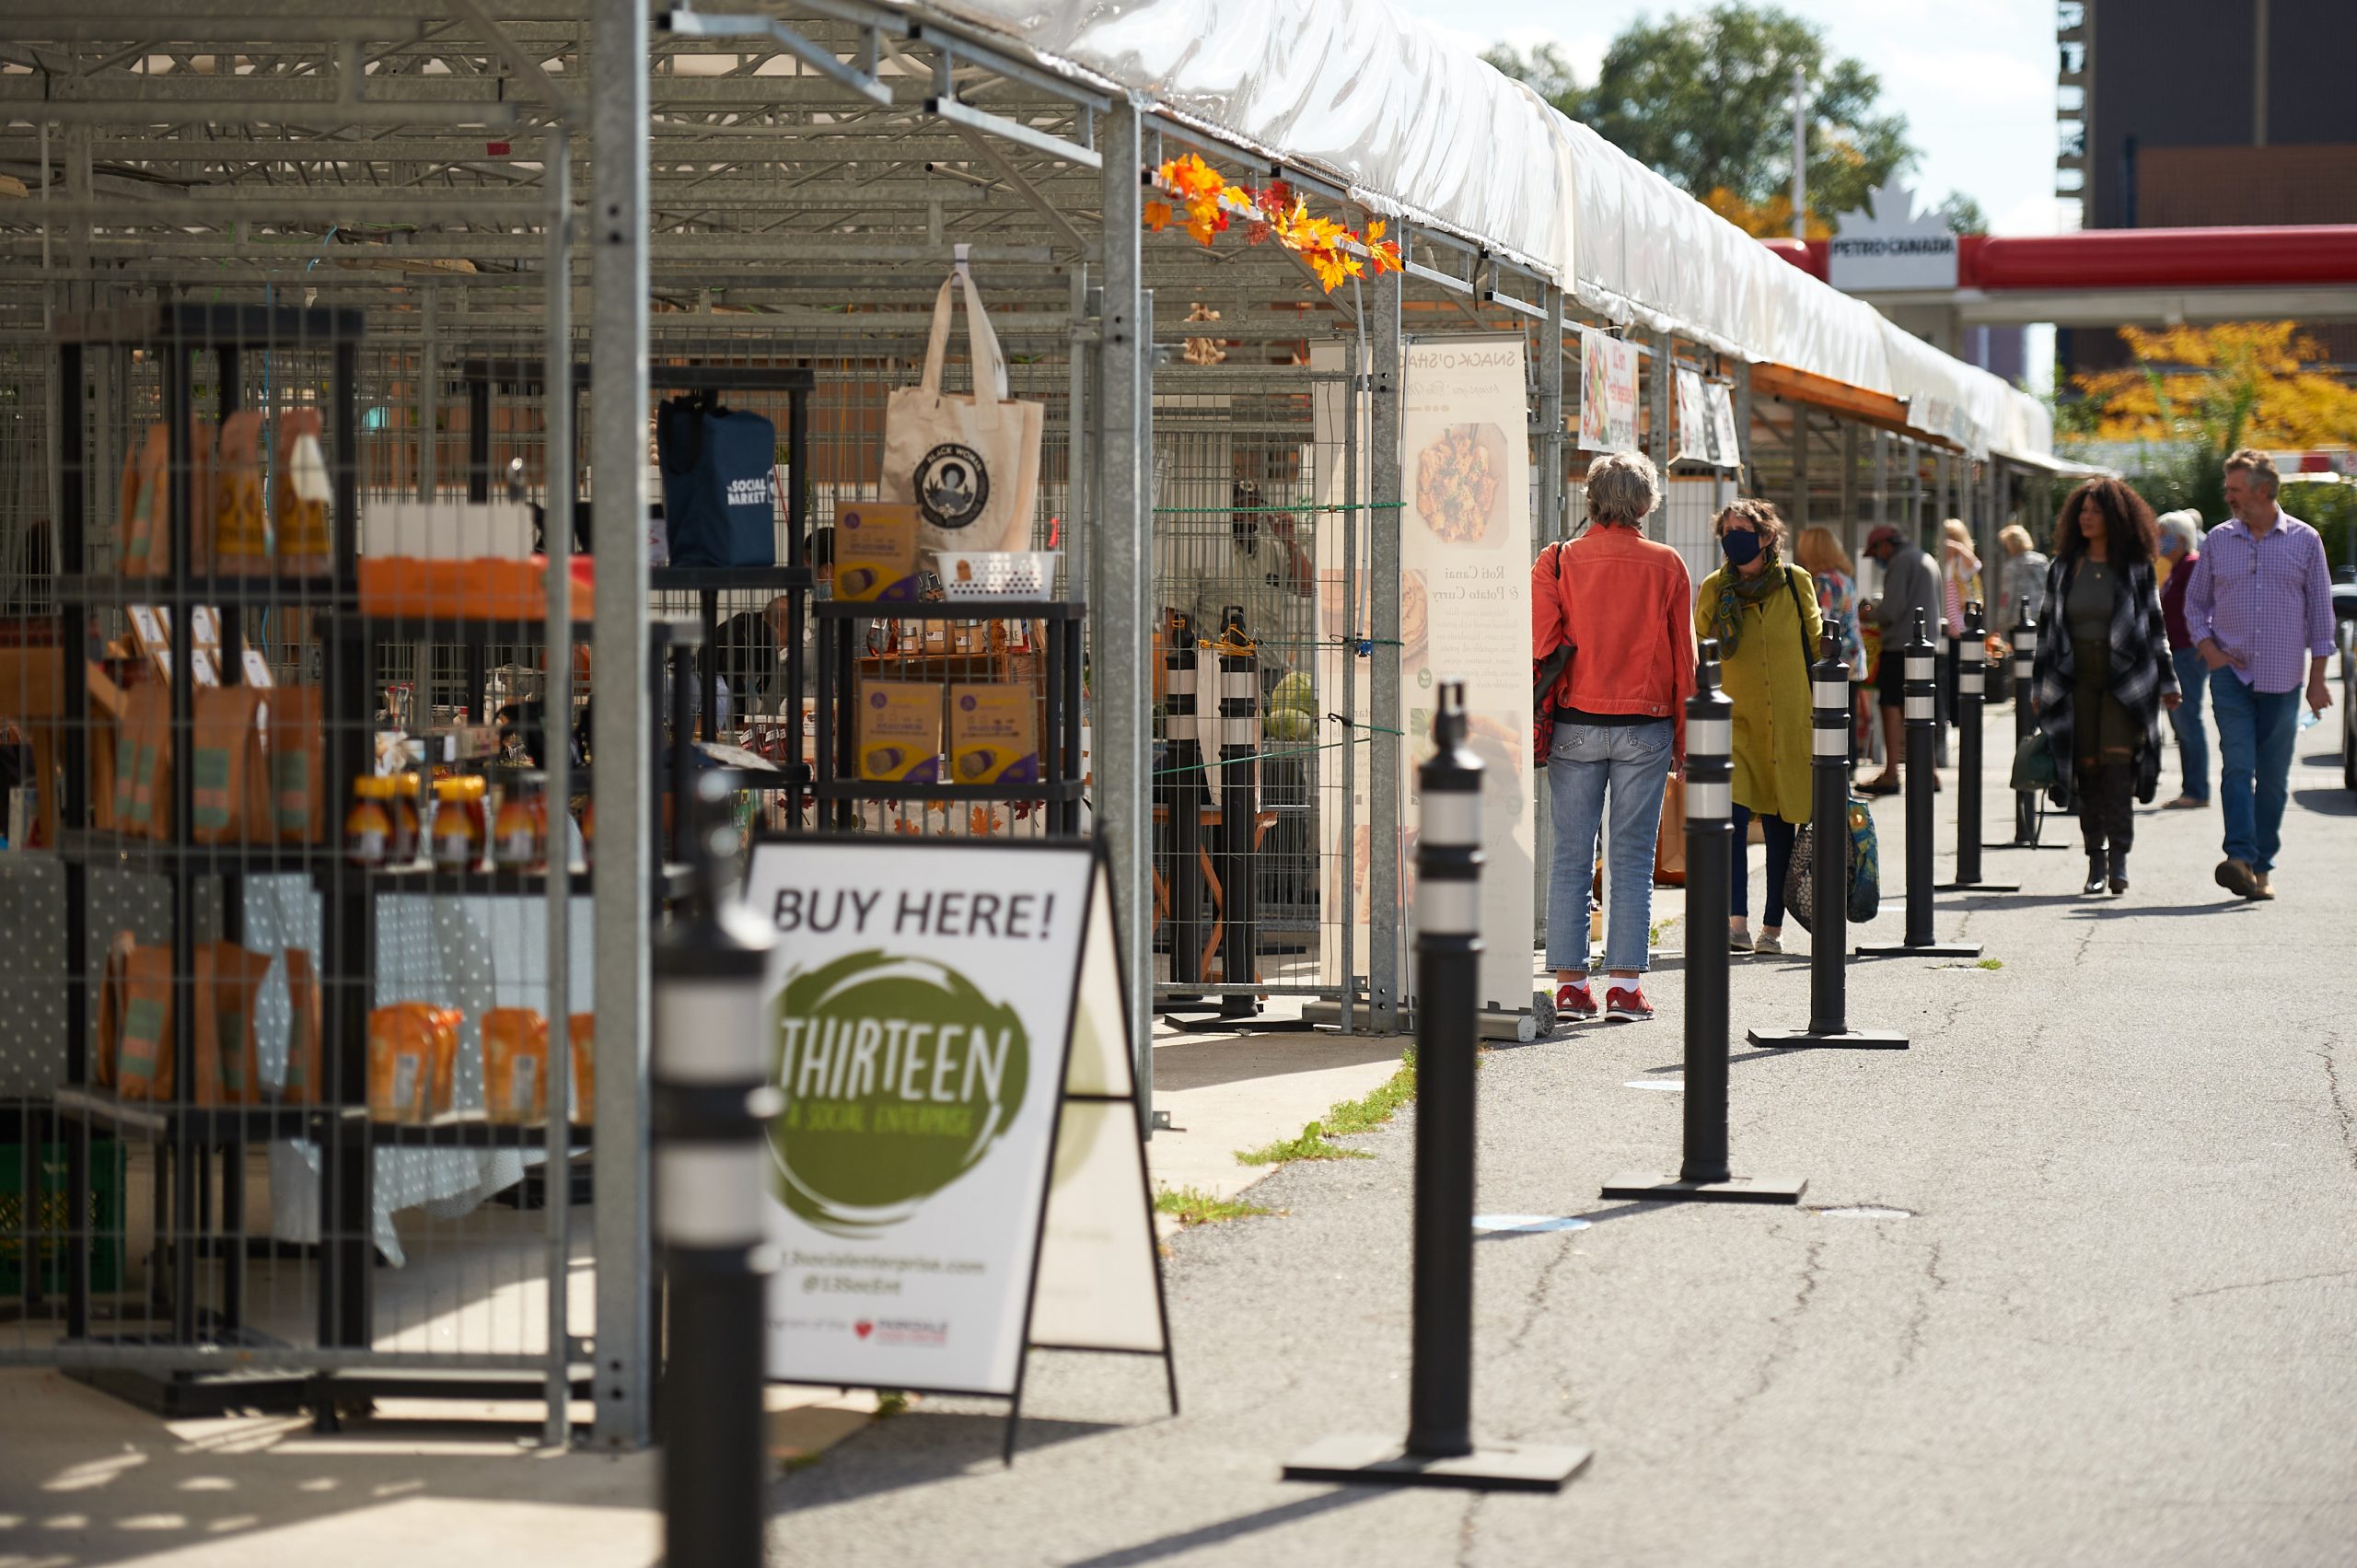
(952, 486)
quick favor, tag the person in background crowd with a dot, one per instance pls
(1959, 585)
(1821, 554)
(2100, 683)
(1767, 623)
(2181, 551)
(1622, 604)
(2261, 595)
(1909, 584)
(2021, 581)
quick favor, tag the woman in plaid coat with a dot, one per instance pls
(2103, 673)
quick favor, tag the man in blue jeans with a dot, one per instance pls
(2260, 598)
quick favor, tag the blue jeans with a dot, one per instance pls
(1593, 767)
(2192, 739)
(2255, 731)
(1779, 834)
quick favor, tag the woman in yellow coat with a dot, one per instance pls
(1763, 613)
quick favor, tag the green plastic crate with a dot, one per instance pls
(49, 1215)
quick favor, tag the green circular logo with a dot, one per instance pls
(898, 1075)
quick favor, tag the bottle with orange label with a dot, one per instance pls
(518, 831)
(368, 826)
(459, 829)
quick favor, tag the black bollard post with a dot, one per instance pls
(1972, 700)
(1184, 782)
(1830, 808)
(1711, 847)
(2027, 819)
(1922, 722)
(1239, 797)
(1440, 1450)
(712, 1103)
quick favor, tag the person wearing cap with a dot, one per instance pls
(2181, 549)
(1909, 584)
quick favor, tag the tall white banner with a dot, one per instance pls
(922, 999)
(1465, 553)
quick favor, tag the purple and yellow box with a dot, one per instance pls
(993, 734)
(876, 553)
(899, 732)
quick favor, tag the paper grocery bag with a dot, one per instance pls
(1669, 848)
(229, 790)
(970, 463)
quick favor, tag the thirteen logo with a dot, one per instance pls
(898, 1075)
(752, 492)
(952, 486)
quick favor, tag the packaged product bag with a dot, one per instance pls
(240, 527)
(142, 763)
(581, 1032)
(229, 793)
(299, 506)
(298, 765)
(970, 462)
(227, 1057)
(515, 1065)
(302, 1085)
(141, 528)
(112, 980)
(402, 1051)
(144, 1056)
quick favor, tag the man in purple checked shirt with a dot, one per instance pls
(2259, 609)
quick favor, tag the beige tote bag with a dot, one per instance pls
(969, 464)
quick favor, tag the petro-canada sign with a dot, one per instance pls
(1890, 247)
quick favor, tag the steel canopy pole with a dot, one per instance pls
(620, 769)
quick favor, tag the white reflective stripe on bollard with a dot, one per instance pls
(710, 1195)
(1830, 694)
(1971, 682)
(1240, 685)
(1919, 708)
(1452, 819)
(1710, 802)
(1710, 737)
(702, 1030)
(1919, 667)
(1243, 732)
(1448, 909)
(1829, 743)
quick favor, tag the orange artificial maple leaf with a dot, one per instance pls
(1158, 216)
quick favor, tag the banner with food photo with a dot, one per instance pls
(1465, 551)
(1608, 392)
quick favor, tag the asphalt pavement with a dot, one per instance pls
(2074, 1280)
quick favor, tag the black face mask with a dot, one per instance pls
(1741, 545)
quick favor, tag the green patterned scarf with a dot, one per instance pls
(1736, 591)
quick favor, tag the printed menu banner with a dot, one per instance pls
(1608, 392)
(921, 1002)
(1695, 438)
(1465, 552)
(1725, 438)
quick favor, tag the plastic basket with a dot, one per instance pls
(996, 573)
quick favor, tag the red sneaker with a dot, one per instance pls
(1575, 1001)
(1629, 1004)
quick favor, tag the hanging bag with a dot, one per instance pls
(719, 484)
(970, 463)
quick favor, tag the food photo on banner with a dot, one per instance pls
(1464, 571)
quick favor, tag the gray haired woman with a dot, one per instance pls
(2180, 548)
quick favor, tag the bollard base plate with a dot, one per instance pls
(1842, 1040)
(1355, 1458)
(1651, 1187)
(1977, 887)
(1927, 950)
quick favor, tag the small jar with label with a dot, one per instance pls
(368, 826)
(460, 829)
(519, 829)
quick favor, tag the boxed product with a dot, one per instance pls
(229, 789)
(993, 734)
(900, 731)
(302, 1085)
(298, 764)
(875, 552)
(228, 1056)
(581, 1033)
(143, 1066)
(515, 1065)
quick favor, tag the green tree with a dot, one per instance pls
(1544, 69)
(1962, 214)
(1706, 100)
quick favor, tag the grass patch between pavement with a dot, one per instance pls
(1365, 1114)
(1194, 1206)
(1992, 963)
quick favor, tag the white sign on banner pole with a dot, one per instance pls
(939, 1009)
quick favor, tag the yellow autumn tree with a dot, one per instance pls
(2236, 384)
(1770, 220)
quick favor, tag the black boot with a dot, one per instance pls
(2120, 818)
(2094, 874)
(2091, 826)
(2118, 869)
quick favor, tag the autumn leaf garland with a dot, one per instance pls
(1332, 249)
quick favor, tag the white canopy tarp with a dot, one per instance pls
(1415, 126)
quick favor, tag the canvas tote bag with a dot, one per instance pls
(969, 463)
